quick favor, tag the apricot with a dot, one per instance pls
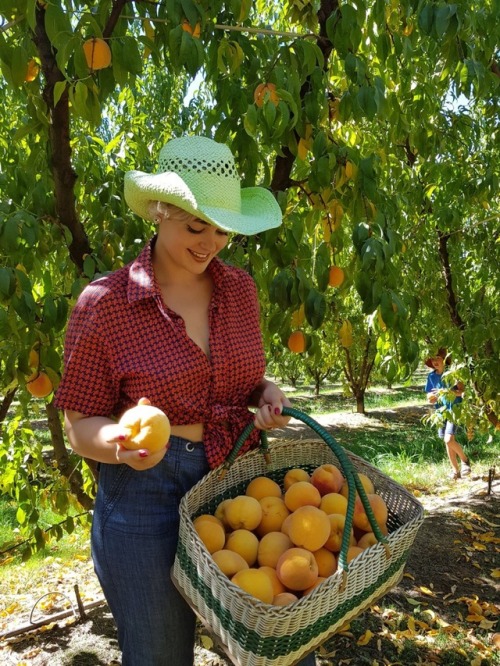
(32, 71)
(194, 32)
(294, 475)
(243, 512)
(284, 598)
(297, 569)
(212, 535)
(333, 503)
(263, 91)
(352, 552)
(39, 385)
(326, 561)
(327, 479)
(300, 494)
(147, 427)
(335, 276)
(379, 508)
(285, 527)
(317, 582)
(34, 358)
(274, 512)
(229, 562)
(220, 512)
(208, 517)
(368, 539)
(271, 547)
(263, 486)
(97, 53)
(309, 527)
(337, 527)
(297, 342)
(245, 543)
(256, 583)
(270, 572)
(366, 482)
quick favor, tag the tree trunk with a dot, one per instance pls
(360, 402)
(6, 403)
(65, 464)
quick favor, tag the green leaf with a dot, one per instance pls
(131, 56)
(10, 234)
(19, 65)
(426, 19)
(20, 515)
(6, 282)
(367, 102)
(59, 88)
(442, 19)
(279, 291)
(250, 120)
(315, 308)
(89, 266)
(56, 21)
(49, 314)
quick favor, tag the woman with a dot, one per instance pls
(179, 328)
(436, 388)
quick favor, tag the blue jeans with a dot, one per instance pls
(134, 539)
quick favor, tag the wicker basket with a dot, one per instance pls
(257, 634)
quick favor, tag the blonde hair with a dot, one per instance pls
(160, 210)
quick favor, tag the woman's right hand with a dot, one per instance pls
(138, 459)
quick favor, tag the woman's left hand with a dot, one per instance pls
(270, 405)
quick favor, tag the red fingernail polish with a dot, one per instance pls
(143, 454)
(121, 438)
(277, 411)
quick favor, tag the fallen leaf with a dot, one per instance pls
(495, 573)
(425, 590)
(365, 638)
(412, 602)
(207, 642)
(474, 618)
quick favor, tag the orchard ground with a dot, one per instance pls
(444, 611)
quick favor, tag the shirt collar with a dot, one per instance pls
(141, 282)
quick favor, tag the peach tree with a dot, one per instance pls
(374, 122)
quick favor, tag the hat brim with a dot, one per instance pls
(259, 209)
(428, 362)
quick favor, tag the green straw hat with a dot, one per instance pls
(199, 175)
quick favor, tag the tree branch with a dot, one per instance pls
(281, 180)
(59, 145)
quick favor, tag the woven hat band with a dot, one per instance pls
(214, 183)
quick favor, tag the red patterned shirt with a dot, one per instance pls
(123, 343)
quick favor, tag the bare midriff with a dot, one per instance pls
(192, 432)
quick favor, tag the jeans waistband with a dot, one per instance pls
(182, 441)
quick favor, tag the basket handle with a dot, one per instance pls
(352, 478)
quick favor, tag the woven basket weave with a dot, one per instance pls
(258, 634)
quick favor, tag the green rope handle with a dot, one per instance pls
(352, 478)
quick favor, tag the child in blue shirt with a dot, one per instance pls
(438, 394)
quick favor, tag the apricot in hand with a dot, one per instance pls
(147, 427)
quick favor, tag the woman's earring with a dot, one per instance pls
(157, 219)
